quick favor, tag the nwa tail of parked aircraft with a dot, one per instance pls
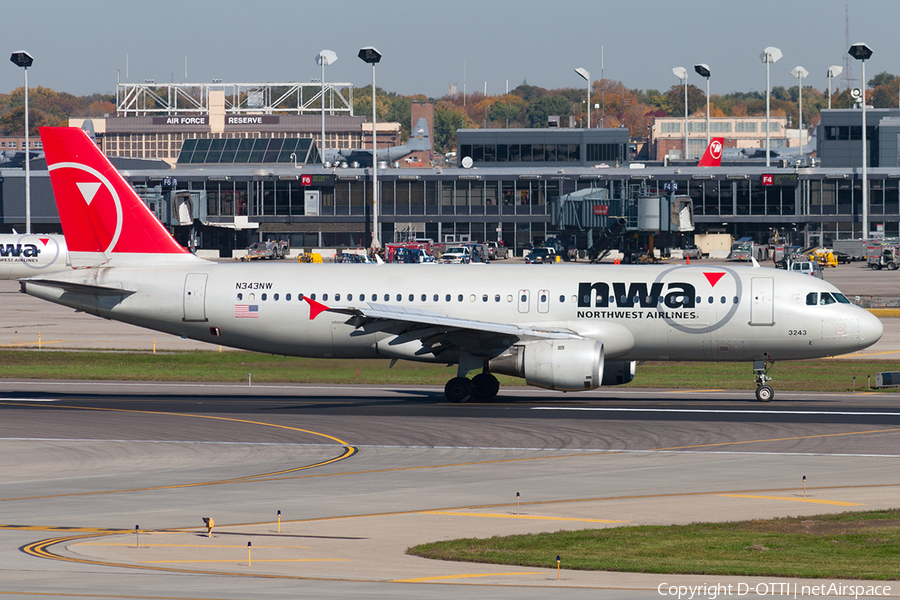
(25, 255)
(713, 155)
(571, 328)
(419, 140)
(738, 154)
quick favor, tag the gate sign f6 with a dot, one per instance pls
(306, 180)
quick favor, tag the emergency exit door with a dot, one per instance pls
(762, 306)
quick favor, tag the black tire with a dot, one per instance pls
(764, 393)
(892, 266)
(485, 386)
(459, 389)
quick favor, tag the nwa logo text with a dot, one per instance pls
(677, 295)
(19, 250)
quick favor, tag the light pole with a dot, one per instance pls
(372, 56)
(833, 71)
(681, 73)
(324, 58)
(799, 72)
(24, 60)
(861, 52)
(587, 76)
(703, 71)
(769, 56)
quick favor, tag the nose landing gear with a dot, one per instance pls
(764, 392)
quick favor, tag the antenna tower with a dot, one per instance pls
(848, 64)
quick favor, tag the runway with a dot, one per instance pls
(361, 473)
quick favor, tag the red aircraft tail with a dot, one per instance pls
(101, 214)
(713, 155)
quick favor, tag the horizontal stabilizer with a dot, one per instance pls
(77, 288)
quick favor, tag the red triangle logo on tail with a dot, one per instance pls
(713, 278)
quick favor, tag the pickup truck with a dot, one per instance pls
(497, 251)
(456, 255)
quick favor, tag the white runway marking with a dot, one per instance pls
(719, 411)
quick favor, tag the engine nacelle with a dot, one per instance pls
(618, 372)
(565, 365)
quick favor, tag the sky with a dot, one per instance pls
(83, 47)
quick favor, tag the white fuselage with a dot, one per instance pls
(706, 313)
(27, 255)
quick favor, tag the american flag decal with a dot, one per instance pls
(246, 311)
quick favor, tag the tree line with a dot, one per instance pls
(526, 106)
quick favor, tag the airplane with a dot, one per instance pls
(572, 328)
(735, 154)
(418, 140)
(24, 255)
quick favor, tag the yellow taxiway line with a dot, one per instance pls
(812, 500)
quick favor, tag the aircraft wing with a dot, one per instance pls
(436, 331)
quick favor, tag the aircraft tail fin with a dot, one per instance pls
(419, 138)
(713, 155)
(101, 214)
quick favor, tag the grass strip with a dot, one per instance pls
(854, 545)
(234, 367)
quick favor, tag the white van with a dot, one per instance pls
(807, 267)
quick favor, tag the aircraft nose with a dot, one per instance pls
(870, 329)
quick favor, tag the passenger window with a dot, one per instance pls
(240, 296)
(275, 296)
(826, 298)
(562, 299)
(734, 300)
(300, 297)
(436, 298)
(497, 298)
(484, 298)
(460, 298)
(349, 297)
(263, 297)
(387, 297)
(471, 297)
(524, 298)
(424, 297)
(699, 300)
(447, 298)
(710, 299)
(723, 300)
(812, 298)
(412, 297)
(543, 297)
(337, 297)
(287, 297)
(362, 297)
(251, 297)
(509, 297)
(313, 296)
(324, 297)
(399, 298)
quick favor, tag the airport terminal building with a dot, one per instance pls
(222, 205)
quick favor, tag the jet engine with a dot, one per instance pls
(618, 372)
(565, 365)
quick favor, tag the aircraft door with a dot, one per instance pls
(524, 301)
(762, 307)
(195, 297)
(543, 301)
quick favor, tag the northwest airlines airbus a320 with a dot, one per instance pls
(572, 328)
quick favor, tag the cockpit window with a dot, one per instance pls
(841, 298)
(812, 298)
(826, 298)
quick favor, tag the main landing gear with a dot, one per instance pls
(764, 391)
(483, 386)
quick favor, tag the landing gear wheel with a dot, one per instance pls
(764, 393)
(459, 389)
(485, 386)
